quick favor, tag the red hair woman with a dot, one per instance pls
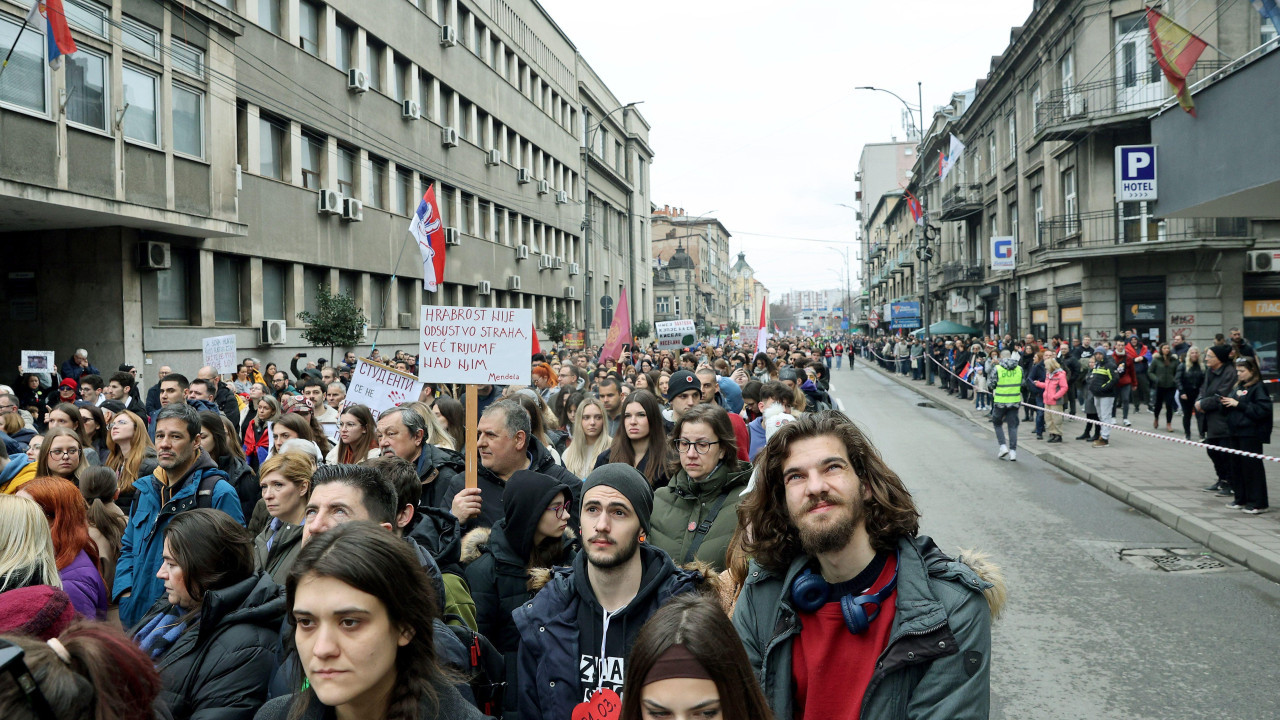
(76, 554)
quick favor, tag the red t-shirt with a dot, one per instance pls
(831, 666)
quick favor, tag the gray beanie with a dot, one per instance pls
(628, 481)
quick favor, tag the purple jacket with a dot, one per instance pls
(81, 581)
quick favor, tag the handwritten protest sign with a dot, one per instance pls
(675, 334)
(380, 388)
(220, 353)
(37, 361)
(482, 346)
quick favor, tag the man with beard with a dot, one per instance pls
(847, 612)
(577, 631)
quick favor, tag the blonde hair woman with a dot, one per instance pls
(26, 545)
(436, 434)
(589, 438)
(130, 453)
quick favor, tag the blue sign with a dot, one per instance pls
(909, 323)
(905, 311)
(1135, 173)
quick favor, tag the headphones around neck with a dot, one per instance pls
(810, 591)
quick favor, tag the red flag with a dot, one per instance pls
(537, 347)
(619, 331)
(1177, 50)
(917, 210)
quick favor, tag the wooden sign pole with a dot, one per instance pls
(473, 421)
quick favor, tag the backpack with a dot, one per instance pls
(487, 674)
(204, 493)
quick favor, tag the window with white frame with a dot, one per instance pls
(991, 153)
(188, 121)
(140, 38)
(1268, 31)
(1067, 73)
(88, 16)
(1037, 202)
(312, 160)
(677, 307)
(1035, 105)
(25, 83)
(1070, 208)
(663, 304)
(271, 137)
(1012, 123)
(87, 94)
(141, 118)
(186, 58)
(269, 15)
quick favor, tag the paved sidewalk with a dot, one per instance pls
(1162, 479)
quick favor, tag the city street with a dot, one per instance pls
(1085, 634)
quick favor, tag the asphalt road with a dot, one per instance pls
(1085, 634)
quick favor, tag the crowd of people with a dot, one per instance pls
(1217, 391)
(693, 534)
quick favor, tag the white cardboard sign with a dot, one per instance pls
(482, 346)
(220, 353)
(38, 361)
(380, 388)
(673, 333)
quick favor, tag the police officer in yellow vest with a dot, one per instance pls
(1006, 396)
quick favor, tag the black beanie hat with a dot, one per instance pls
(628, 481)
(524, 499)
(1222, 352)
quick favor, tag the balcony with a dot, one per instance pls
(955, 273)
(876, 251)
(961, 201)
(1106, 234)
(1128, 98)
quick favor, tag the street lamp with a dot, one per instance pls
(586, 220)
(866, 271)
(844, 252)
(919, 108)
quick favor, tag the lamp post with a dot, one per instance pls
(586, 219)
(866, 262)
(919, 108)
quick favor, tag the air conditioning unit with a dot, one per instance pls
(352, 210)
(494, 157)
(482, 288)
(523, 176)
(357, 80)
(448, 35)
(406, 320)
(328, 202)
(544, 262)
(449, 137)
(513, 282)
(272, 332)
(154, 256)
(544, 187)
(409, 110)
(562, 197)
(557, 263)
(574, 269)
(1262, 261)
(1076, 105)
(522, 252)
(451, 236)
(571, 293)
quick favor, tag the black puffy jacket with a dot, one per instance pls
(220, 667)
(491, 487)
(1217, 385)
(1251, 417)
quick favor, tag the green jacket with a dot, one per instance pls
(1164, 374)
(938, 661)
(685, 501)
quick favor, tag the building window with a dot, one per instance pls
(187, 58)
(375, 196)
(374, 52)
(991, 153)
(140, 38)
(1013, 224)
(677, 307)
(442, 12)
(377, 301)
(1037, 202)
(1013, 134)
(464, 221)
(24, 81)
(270, 148)
(87, 89)
(314, 278)
(1035, 105)
(188, 121)
(346, 38)
(619, 163)
(226, 288)
(269, 15)
(141, 120)
(399, 71)
(664, 304)
(171, 289)
(1067, 73)
(1268, 32)
(444, 196)
(403, 193)
(309, 14)
(1069, 206)
(88, 16)
(273, 287)
(346, 172)
(312, 157)
(347, 285)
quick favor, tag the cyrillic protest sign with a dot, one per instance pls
(380, 388)
(220, 353)
(482, 346)
(675, 334)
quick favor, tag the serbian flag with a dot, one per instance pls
(762, 335)
(619, 332)
(1177, 50)
(964, 372)
(946, 162)
(428, 230)
(917, 210)
(48, 16)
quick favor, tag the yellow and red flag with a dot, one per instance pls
(1177, 50)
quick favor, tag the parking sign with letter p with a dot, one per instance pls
(1135, 173)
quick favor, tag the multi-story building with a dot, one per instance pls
(746, 294)
(706, 242)
(1040, 130)
(202, 168)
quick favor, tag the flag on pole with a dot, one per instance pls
(48, 17)
(762, 335)
(537, 346)
(619, 331)
(1177, 50)
(946, 162)
(428, 230)
(1270, 11)
(917, 210)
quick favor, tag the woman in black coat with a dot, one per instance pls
(1189, 378)
(1249, 419)
(533, 534)
(221, 445)
(213, 636)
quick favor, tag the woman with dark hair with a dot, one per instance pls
(452, 416)
(357, 437)
(95, 428)
(539, 423)
(76, 553)
(667, 365)
(362, 607)
(687, 662)
(220, 447)
(29, 397)
(67, 415)
(533, 534)
(131, 454)
(212, 636)
(1249, 420)
(763, 368)
(106, 520)
(641, 440)
(294, 427)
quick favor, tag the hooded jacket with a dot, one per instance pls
(1103, 379)
(938, 659)
(218, 669)
(686, 503)
(1053, 387)
(437, 468)
(551, 625)
(1217, 385)
(84, 585)
(491, 487)
(225, 399)
(143, 543)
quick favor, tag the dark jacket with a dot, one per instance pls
(549, 624)
(225, 399)
(1217, 385)
(1035, 392)
(71, 370)
(1189, 379)
(244, 480)
(938, 661)
(491, 487)
(1103, 379)
(1164, 374)
(684, 503)
(450, 706)
(284, 550)
(219, 667)
(1252, 417)
(437, 468)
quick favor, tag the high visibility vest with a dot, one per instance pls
(1009, 386)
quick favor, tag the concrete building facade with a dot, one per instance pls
(746, 294)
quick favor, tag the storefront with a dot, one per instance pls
(1038, 304)
(1262, 318)
(1070, 311)
(1142, 307)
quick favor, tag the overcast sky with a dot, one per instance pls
(753, 109)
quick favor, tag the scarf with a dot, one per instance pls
(155, 637)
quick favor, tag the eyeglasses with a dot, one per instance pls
(122, 422)
(65, 453)
(701, 446)
(560, 510)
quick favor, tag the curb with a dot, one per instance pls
(1230, 545)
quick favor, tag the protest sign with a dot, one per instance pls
(675, 334)
(574, 340)
(482, 346)
(220, 353)
(37, 361)
(380, 388)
